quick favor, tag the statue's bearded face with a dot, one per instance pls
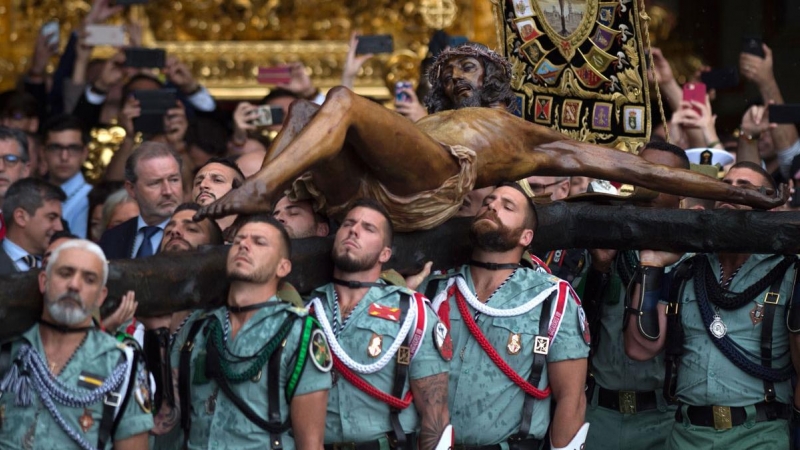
(462, 78)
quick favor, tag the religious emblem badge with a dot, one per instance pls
(541, 345)
(589, 56)
(584, 326)
(86, 421)
(320, 352)
(542, 110)
(384, 312)
(142, 391)
(514, 344)
(375, 346)
(442, 340)
(757, 314)
(718, 328)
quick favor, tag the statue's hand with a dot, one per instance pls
(767, 199)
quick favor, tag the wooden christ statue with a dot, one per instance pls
(351, 147)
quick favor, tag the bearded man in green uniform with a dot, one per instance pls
(729, 330)
(242, 371)
(64, 383)
(519, 334)
(626, 407)
(386, 353)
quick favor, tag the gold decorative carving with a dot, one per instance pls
(438, 14)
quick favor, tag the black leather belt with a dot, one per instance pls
(369, 445)
(513, 444)
(727, 417)
(627, 402)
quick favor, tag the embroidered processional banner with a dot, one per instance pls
(579, 67)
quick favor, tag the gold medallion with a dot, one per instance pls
(514, 344)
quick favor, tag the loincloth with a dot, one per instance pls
(420, 211)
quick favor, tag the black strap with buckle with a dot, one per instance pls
(114, 399)
(673, 345)
(398, 436)
(714, 416)
(185, 378)
(771, 301)
(537, 368)
(627, 402)
(274, 397)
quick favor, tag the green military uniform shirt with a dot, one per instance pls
(614, 370)
(354, 416)
(705, 375)
(32, 427)
(216, 422)
(485, 405)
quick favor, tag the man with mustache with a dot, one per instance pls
(241, 371)
(385, 351)
(65, 383)
(213, 180)
(728, 326)
(350, 147)
(153, 179)
(519, 338)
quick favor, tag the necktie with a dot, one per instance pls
(31, 261)
(146, 249)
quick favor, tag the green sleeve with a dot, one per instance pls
(569, 343)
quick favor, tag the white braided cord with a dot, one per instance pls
(340, 353)
(494, 312)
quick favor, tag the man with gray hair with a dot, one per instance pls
(64, 382)
(15, 163)
(153, 179)
(33, 211)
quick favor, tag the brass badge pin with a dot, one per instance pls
(86, 421)
(757, 314)
(375, 345)
(514, 344)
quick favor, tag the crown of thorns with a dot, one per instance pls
(467, 50)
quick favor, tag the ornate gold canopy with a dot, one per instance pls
(225, 41)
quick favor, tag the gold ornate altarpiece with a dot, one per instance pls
(225, 41)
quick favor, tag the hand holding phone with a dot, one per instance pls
(52, 30)
(374, 44)
(145, 58)
(695, 92)
(267, 115)
(275, 75)
(400, 95)
(753, 46)
(111, 35)
(154, 105)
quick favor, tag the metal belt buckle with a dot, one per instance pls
(673, 308)
(112, 399)
(722, 417)
(627, 402)
(344, 446)
(772, 298)
(404, 355)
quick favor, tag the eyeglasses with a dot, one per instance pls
(538, 188)
(10, 160)
(58, 148)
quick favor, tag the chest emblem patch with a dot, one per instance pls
(514, 344)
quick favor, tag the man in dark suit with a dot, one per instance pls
(153, 179)
(33, 214)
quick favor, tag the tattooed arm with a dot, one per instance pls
(168, 416)
(430, 399)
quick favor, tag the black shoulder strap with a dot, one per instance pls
(537, 367)
(400, 376)
(673, 346)
(274, 399)
(114, 399)
(185, 377)
(770, 305)
(5, 358)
